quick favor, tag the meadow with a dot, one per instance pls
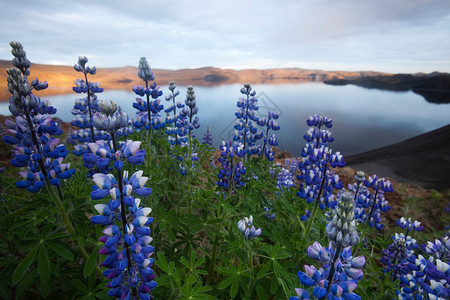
(142, 206)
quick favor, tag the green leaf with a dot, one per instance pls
(24, 265)
(79, 285)
(184, 261)
(234, 287)
(5, 292)
(226, 282)
(273, 287)
(170, 233)
(280, 271)
(162, 263)
(61, 250)
(262, 294)
(26, 283)
(43, 265)
(55, 236)
(45, 288)
(90, 263)
(283, 254)
(263, 270)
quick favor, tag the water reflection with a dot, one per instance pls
(363, 119)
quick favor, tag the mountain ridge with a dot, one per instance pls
(61, 78)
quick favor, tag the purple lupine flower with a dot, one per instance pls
(35, 149)
(246, 227)
(337, 278)
(128, 259)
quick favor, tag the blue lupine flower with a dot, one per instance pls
(246, 227)
(128, 260)
(35, 150)
(148, 110)
(335, 280)
(409, 225)
(207, 137)
(269, 123)
(424, 279)
(397, 256)
(439, 249)
(246, 131)
(317, 181)
(174, 132)
(338, 277)
(230, 176)
(86, 107)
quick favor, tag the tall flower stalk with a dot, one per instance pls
(176, 134)
(148, 111)
(90, 88)
(376, 202)
(317, 181)
(246, 131)
(127, 246)
(36, 151)
(338, 277)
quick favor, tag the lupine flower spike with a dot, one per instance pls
(127, 237)
(177, 133)
(85, 108)
(269, 123)
(337, 278)
(148, 116)
(317, 181)
(37, 152)
(246, 131)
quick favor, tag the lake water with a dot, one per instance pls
(363, 119)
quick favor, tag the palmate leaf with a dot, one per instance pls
(25, 264)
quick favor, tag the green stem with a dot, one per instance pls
(250, 262)
(89, 107)
(213, 262)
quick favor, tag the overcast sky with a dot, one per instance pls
(381, 35)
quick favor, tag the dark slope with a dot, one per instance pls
(423, 160)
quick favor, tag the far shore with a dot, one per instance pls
(61, 78)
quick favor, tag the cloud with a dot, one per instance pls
(179, 34)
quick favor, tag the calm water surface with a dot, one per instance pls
(363, 119)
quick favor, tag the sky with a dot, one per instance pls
(396, 36)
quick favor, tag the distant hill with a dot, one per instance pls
(61, 78)
(434, 87)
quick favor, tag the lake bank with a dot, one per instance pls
(434, 87)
